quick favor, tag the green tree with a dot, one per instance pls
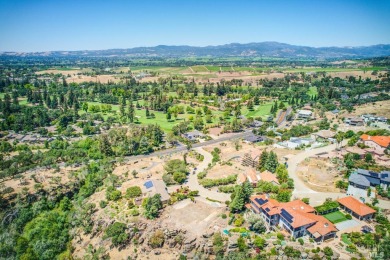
(133, 192)
(282, 173)
(117, 233)
(152, 206)
(272, 162)
(105, 146)
(263, 160)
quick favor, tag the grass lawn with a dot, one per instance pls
(335, 217)
(160, 118)
(312, 91)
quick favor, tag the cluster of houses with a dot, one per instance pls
(374, 145)
(27, 138)
(299, 219)
(364, 119)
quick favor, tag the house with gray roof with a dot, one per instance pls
(152, 187)
(364, 179)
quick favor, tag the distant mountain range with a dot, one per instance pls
(261, 49)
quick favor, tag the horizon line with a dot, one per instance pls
(186, 45)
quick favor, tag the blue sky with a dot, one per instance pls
(46, 25)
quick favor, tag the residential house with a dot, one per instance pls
(305, 114)
(356, 208)
(296, 142)
(355, 121)
(324, 135)
(268, 176)
(193, 135)
(364, 179)
(152, 187)
(254, 138)
(380, 143)
(295, 217)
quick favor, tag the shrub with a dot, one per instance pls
(202, 174)
(103, 204)
(133, 192)
(208, 183)
(300, 240)
(223, 216)
(116, 232)
(179, 177)
(134, 212)
(227, 189)
(113, 194)
(348, 216)
(157, 239)
(280, 236)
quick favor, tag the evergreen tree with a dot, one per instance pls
(105, 146)
(256, 100)
(15, 100)
(147, 113)
(272, 162)
(130, 111)
(122, 106)
(263, 160)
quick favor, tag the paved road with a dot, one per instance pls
(293, 162)
(184, 148)
(302, 191)
(193, 183)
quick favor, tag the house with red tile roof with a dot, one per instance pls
(268, 176)
(251, 175)
(356, 208)
(380, 143)
(295, 217)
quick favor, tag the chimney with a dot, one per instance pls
(326, 225)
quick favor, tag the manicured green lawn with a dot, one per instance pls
(160, 118)
(335, 217)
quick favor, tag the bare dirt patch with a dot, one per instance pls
(380, 108)
(319, 174)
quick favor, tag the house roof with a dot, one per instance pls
(152, 187)
(356, 206)
(305, 112)
(253, 138)
(325, 134)
(322, 227)
(241, 177)
(383, 141)
(375, 177)
(296, 211)
(252, 175)
(355, 149)
(359, 179)
(269, 177)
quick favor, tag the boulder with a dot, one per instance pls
(189, 240)
(208, 234)
(304, 255)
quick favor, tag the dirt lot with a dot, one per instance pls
(319, 174)
(380, 108)
(48, 178)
